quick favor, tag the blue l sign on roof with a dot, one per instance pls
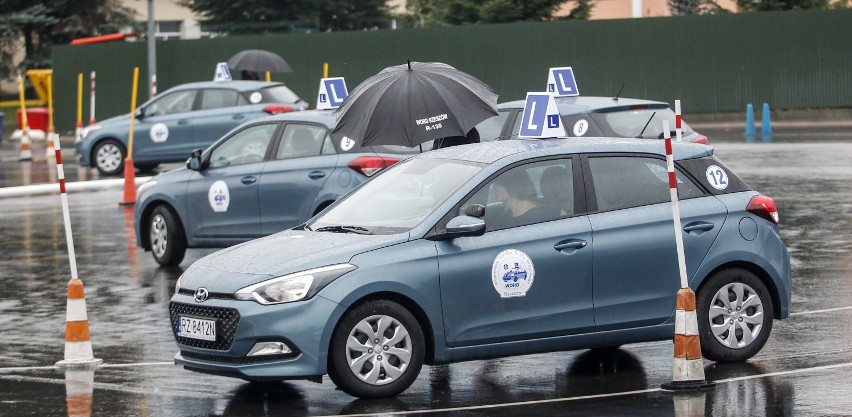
(561, 82)
(541, 118)
(332, 92)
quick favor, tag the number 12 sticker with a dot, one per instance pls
(717, 177)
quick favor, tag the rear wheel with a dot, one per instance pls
(168, 244)
(735, 315)
(108, 157)
(377, 350)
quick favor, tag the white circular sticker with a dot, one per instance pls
(717, 177)
(346, 143)
(219, 196)
(581, 127)
(512, 273)
(159, 132)
(255, 97)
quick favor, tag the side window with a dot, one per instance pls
(328, 145)
(216, 98)
(244, 147)
(527, 194)
(622, 182)
(299, 140)
(490, 129)
(177, 102)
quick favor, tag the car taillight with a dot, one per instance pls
(277, 108)
(702, 140)
(638, 107)
(764, 207)
(370, 165)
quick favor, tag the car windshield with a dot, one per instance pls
(629, 123)
(398, 199)
(278, 94)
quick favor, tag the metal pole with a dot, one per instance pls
(152, 51)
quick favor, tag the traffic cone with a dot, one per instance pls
(749, 130)
(79, 386)
(78, 347)
(688, 369)
(766, 122)
(26, 152)
(129, 182)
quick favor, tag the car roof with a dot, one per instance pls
(239, 85)
(326, 117)
(589, 104)
(518, 149)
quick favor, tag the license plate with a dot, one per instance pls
(195, 328)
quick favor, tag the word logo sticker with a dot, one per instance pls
(332, 92)
(222, 72)
(717, 177)
(512, 273)
(346, 143)
(159, 133)
(219, 196)
(541, 118)
(561, 82)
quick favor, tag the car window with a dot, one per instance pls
(244, 147)
(278, 94)
(490, 129)
(629, 123)
(622, 182)
(176, 102)
(328, 145)
(527, 194)
(215, 98)
(300, 140)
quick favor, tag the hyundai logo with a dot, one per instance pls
(201, 295)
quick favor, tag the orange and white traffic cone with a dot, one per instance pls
(78, 347)
(129, 182)
(26, 151)
(79, 387)
(50, 151)
(688, 369)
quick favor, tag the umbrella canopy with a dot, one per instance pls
(413, 103)
(258, 60)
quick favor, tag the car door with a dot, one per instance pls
(530, 280)
(164, 133)
(223, 197)
(303, 161)
(636, 267)
(217, 112)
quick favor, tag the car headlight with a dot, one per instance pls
(293, 287)
(86, 130)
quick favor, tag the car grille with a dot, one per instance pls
(227, 320)
(225, 359)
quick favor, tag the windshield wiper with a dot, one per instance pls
(344, 229)
(646, 125)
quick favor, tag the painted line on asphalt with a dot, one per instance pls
(827, 310)
(53, 188)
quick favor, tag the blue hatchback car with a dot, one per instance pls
(263, 177)
(489, 250)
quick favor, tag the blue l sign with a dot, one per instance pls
(535, 114)
(561, 82)
(336, 89)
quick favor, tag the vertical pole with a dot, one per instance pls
(92, 98)
(268, 76)
(26, 151)
(51, 131)
(79, 126)
(678, 118)
(675, 206)
(152, 49)
(325, 70)
(153, 85)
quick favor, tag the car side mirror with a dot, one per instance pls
(461, 226)
(194, 161)
(140, 114)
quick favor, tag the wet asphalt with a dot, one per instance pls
(804, 370)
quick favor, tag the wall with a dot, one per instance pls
(792, 60)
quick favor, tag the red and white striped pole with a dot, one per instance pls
(688, 367)
(678, 122)
(78, 347)
(92, 98)
(153, 85)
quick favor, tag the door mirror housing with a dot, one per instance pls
(140, 113)
(461, 226)
(194, 161)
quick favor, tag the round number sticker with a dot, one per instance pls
(346, 143)
(512, 273)
(159, 133)
(255, 97)
(581, 127)
(716, 177)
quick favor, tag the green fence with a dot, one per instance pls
(792, 60)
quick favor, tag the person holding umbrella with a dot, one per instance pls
(472, 136)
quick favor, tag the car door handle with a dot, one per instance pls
(183, 121)
(249, 180)
(570, 244)
(315, 175)
(698, 227)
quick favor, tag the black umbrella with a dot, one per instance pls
(413, 103)
(258, 60)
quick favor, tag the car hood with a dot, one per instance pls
(280, 254)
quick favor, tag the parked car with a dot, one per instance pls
(265, 176)
(587, 116)
(186, 117)
(427, 263)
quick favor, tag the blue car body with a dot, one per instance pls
(591, 276)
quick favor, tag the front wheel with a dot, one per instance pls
(108, 157)
(377, 350)
(168, 244)
(735, 315)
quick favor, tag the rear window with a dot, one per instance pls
(640, 123)
(278, 94)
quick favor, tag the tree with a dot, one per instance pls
(771, 5)
(693, 7)
(422, 13)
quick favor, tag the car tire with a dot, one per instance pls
(168, 243)
(108, 157)
(735, 314)
(354, 365)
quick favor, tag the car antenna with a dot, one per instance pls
(619, 92)
(646, 125)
